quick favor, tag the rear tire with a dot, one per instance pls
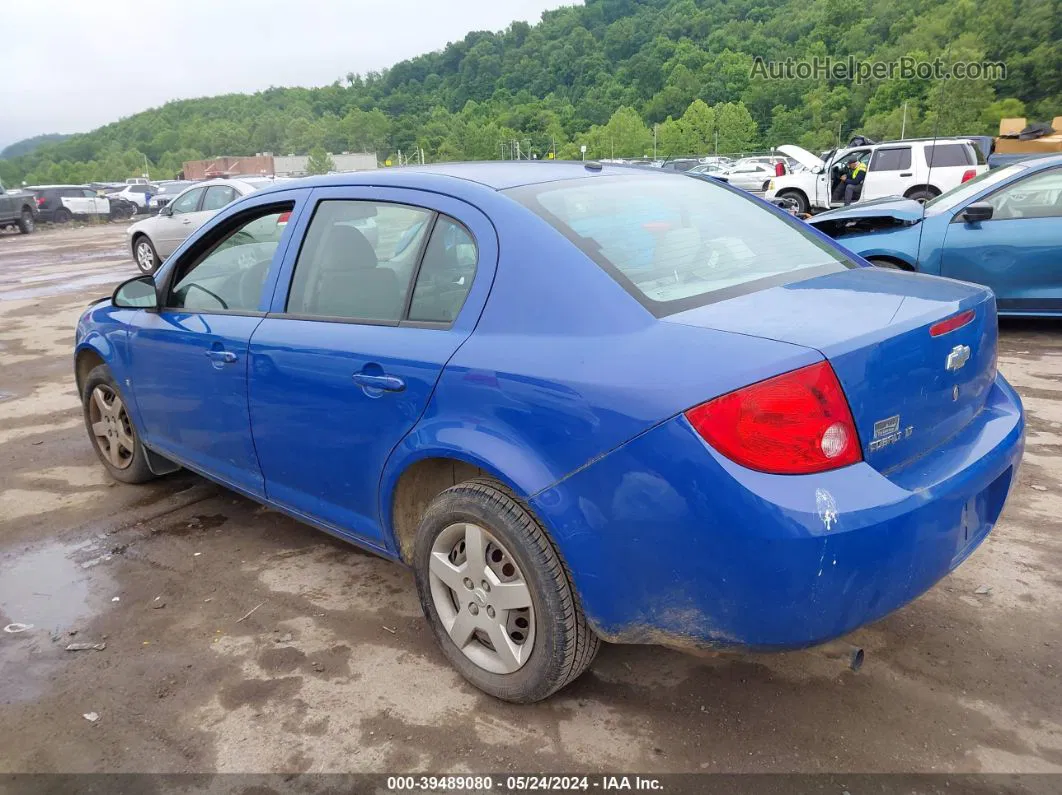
(563, 645)
(26, 224)
(147, 259)
(921, 195)
(111, 430)
(62, 216)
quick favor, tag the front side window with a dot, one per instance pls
(357, 260)
(891, 159)
(231, 275)
(1036, 196)
(217, 196)
(679, 242)
(188, 203)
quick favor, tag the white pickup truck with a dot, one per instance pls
(914, 169)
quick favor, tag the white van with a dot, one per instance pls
(894, 168)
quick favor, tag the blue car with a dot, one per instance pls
(582, 403)
(1002, 229)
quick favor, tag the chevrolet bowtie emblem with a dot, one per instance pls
(959, 355)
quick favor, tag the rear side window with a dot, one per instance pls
(217, 196)
(446, 273)
(891, 159)
(943, 155)
(679, 242)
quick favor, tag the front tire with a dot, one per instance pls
(111, 430)
(497, 596)
(921, 195)
(888, 264)
(26, 224)
(62, 216)
(147, 259)
(802, 206)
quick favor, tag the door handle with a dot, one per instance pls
(387, 383)
(186, 221)
(221, 356)
(906, 174)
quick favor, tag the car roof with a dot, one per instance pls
(494, 174)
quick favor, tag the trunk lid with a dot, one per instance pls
(909, 391)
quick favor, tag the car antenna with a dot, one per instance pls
(933, 147)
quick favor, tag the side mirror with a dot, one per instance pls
(816, 170)
(165, 210)
(977, 212)
(138, 293)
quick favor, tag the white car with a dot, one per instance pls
(751, 175)
(154, 239)
(137, 194)
(894, 168)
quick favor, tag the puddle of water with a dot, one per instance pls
(60, 287)
(44, 587)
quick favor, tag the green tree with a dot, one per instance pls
(319, 161)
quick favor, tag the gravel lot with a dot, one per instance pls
(336, 670)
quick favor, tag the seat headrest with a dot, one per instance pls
(352, 249)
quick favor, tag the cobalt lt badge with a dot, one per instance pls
(959, 355)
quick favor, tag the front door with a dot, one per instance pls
(189, 359)
(173, 228)
(346, 362)
(1018, 253)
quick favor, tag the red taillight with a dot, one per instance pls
(968, 174)
(283, 218)
(951, 323)
(796, 423)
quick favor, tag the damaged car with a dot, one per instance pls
(1002, 229)
(580, 402)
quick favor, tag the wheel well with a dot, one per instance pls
(899, 263)
(416, 488)
(87, 361)
(135, 240)
(917, 188)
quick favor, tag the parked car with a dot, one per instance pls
(707, 168)
(154, 239)
(580, 402)
(1002, 229)
(61, 204)
(752, 176)
(18, 208)
(894, 168)
(138, 194)
(165, 193)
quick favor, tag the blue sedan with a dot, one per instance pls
(1002, 229)
(582, 403)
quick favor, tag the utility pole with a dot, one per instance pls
(613, 142)
(654, 140)
(903, 127)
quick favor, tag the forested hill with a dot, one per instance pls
(605, 74)
(27, 145)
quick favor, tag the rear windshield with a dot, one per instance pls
(676, 242)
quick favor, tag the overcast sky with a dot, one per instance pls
(72, 66)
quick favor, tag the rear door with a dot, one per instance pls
(1018, 253)
(76, 202)
(889, 173)
(359, 331)
(189, 359)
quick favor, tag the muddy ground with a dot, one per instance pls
(336, 671)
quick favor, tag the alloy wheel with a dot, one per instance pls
(145, 257)
(111, 427)
(482, 598)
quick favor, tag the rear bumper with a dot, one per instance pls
(668, 542)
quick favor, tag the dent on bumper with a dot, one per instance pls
(668, 542)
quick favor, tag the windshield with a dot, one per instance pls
(957, 195)
(679, 242)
